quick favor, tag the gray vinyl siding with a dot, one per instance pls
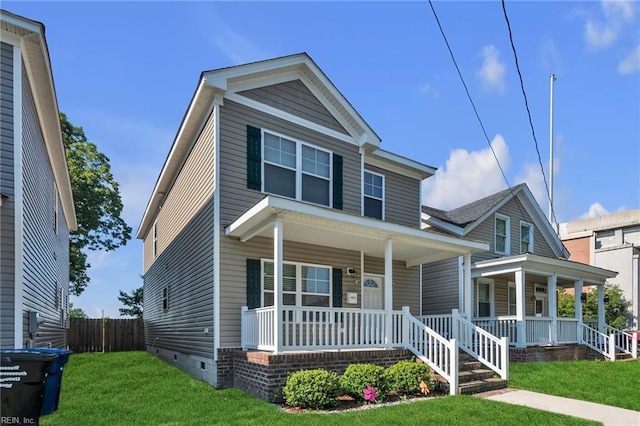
(402, 198)
(500, 292)
(46, 253)
(440, 287)
(235, 197)
(186, 268)
(295, 98)
(485, 232)
(7, 211)
(192, 188)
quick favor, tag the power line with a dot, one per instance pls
(526, 104)
(475, 110)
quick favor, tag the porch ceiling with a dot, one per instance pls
(532, 264)
(322, 226)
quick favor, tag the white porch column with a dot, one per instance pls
(552, 294)
(468, 287)
(601, 310)
(278, 230)
(521, 301)
(577, 292)
(388, 292)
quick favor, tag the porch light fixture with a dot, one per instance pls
(583, 297)
(533, 298)
(351, 272)
(606, 298)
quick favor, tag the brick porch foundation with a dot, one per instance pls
(263, 374)
(552, 353)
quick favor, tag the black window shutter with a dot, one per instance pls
(337, 181)
(254, 158)
(337, 287)
(253, 283)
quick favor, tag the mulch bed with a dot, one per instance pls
(347, 403)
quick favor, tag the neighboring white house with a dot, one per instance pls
(612, 242)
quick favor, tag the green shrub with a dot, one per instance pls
(359, 376)
(405, 377)
(312, 389)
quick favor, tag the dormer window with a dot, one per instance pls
(373, 192)
(502, 238)
(526, 237)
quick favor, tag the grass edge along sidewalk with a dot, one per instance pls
(127, 388)
(603, 382)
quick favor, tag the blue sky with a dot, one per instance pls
(126, 72)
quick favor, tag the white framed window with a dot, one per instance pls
(302, 284)
(296, 169)
(165, 298)
(484, 298)
(511, 297)
(526, 237)
(373, 195)
(155, 239)
(502, 238)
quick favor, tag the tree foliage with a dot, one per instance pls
(97, 203)
(76, 313)
(616, 311)
(133, 303)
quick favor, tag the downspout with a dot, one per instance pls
(216, 228)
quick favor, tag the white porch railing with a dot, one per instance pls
(490, 350)
(538, 330)
(599, 342)
(624, 342)
(438, 352)
(441, 324)
(499, 327)
(567, 330)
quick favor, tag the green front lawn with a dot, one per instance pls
(611, 383)
(135, 388)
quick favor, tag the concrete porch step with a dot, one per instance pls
(623, 356)
(478, 386)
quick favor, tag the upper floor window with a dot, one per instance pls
(373, 190)
(526, 237)
(155, 239)
(296, 170)
(55, 208)
(502, 238)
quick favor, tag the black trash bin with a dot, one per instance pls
(22, 379)
(53, 383)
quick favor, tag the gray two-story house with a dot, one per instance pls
(36, 203)
(279, 228)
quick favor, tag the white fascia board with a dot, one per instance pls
(439, 223)
(423, 170)
(203, 94)
(20, 22)
(290, 117)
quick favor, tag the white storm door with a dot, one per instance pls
(372, 294)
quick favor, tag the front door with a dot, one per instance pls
(372, 295)
(541, 306)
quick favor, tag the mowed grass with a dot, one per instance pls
(610, 383)
(135, 388)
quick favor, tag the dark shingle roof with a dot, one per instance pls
(464, 215)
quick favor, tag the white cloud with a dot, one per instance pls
(467, 176)
(617, 14)
(427, 89)
(631, 63)
(595, 210)
(492, 72)
(551, 59)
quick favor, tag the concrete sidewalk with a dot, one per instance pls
(610, 416)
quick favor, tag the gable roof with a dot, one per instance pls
(464, 219)
(226, 83)
(36, 61)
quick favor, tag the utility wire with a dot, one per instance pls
(475, 110)
(526, 104)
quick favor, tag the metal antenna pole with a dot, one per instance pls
(552, 79)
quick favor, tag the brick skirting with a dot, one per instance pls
(552, 353)
(263, 374)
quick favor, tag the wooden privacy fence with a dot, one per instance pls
(106, 335)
